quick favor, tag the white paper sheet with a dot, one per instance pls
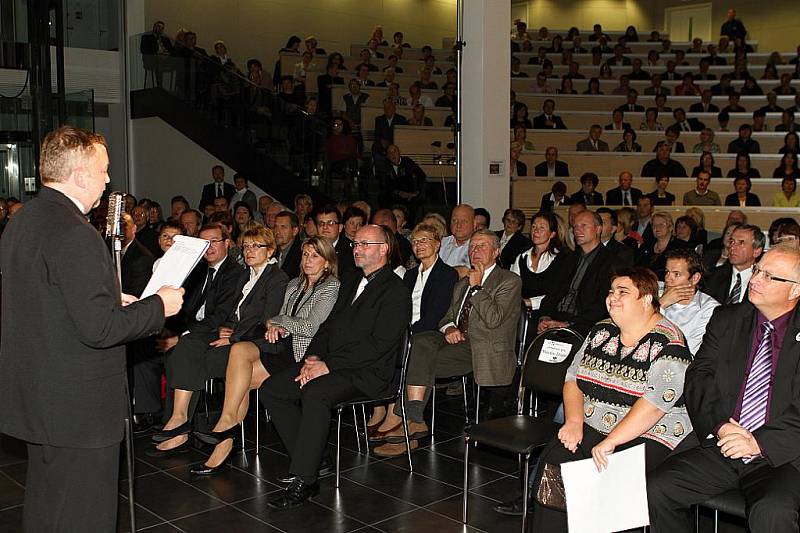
(612, 500)
(177, 263)
(554, 351)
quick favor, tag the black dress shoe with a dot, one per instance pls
(143, 422)
(215, 437)
(155, 452)
(513, 508)
(294, 495)
(162, 436)
(325, 468)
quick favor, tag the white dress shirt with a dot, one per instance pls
(746, 275)
(416, 293)
(452, 254)
(483, 280)
(692, 318)
(201, 313)
(255, 274)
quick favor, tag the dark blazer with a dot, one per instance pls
(262, 302)
(751, 200)
(360, 339)
(210, 192)
(137, 267)
(621, 255)
(698, 108)
(562, 169)
(344, 258)
(522, 169)
(547, 203)
(625, 126)
(383, 130)
(539, 123)
(64, 385)
(517, 244)
(717, 283)
(148, 236)
(220, 297)
(694, 124)
(715, 377)
(586, 146)
(614, 196)
(435, 296)
(148, 44)
(592, 291)
(595, 199)
(291, 263)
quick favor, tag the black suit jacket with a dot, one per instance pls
(291, 262)
(148, 45)
(137, 267)
(751, 200)
(210, 192)
(360, 339)
(539, 123)
(562, 169)
(595, 199)
(383, 130)
(517, 244)
(698, 108)
(621, 255)
(614, 196)
(264, 301)
(148, 236)
(436, 295)
(344, 258)
(62, 356)
(717, 284)
(714, 379)
(219, 299)
(592, 291)
(547, 203)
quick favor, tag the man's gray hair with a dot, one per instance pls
(491, 235)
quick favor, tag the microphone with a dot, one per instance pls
(114, 230)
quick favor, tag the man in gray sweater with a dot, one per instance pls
(701, 195)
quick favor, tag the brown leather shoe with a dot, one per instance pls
(416, 431)
(380, 436)
(394, 450)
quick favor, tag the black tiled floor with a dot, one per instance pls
(375, 494)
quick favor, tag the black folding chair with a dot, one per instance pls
(731, 502)
(404, 350)
(523, 433)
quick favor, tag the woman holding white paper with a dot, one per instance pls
(624, 387)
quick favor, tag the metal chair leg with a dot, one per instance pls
(258, 421)
(696, 519)
(405, 431)
(338, 442)
(241, 425)
(355, 424)
(716, 521)
(466, 481)
(466, 404)
(525, 493)
(477, 402)
(433, 410)
(364, 420)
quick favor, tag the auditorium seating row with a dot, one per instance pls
(586, 102)
(594, 70)
(288, 62)
(692, 59)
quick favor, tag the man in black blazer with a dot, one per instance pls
(62, 358)
(512, 241)
(217, 188)
(621, 255)
(154, 46)
(353, 355)
(728, 283)
(287, 230)
(329, 226)
(137, 261)
(555, 198)
(145, 233)
(547, 120)
(402, 181)
(588, 195)
(581, 303)
(685, 124)
(385, 217)
(624, 194)
(704, 105)
(551, 167)
(743, 396)
(384, 126)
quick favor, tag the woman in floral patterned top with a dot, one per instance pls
(624, 388)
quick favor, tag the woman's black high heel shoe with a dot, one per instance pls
(163, 436)
(204, 470)
(215, 437)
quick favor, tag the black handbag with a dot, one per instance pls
(551, 492)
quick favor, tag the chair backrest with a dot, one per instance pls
(522, 333)
(403, 353)
(547, 360)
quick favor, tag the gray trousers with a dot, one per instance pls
(431, 358)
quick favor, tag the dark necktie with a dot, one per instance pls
(463, 317)
(756, 389)
(626, 198)
(219, 190)
(736, 291)
(209, 279)
(630, 107)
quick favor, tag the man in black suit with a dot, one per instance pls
(145, 233)
(402, 181)
(154, 46)
(385, 217)
(325, 83)
(287, 229)
(743, 399)
(547, 120)
(217, 189)
(631, 105)
(588, 195)
(663, 165)
(353, 355)
(704, 105)
(592, 143)
(624, 194)
(728, 283)
(384, 126)
(512, 241)
(137, 261)
(551, 167)
(684, 124)
(745, 142)
(644, 210)
(62, 358)
(555, 198)
(329, 226)
(581, 303)
(621, 255)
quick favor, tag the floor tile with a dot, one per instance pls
(144, 518)
(11, 519)
(400, 483)
(483, 456)
(445, 469)
(423, 521)
(171, 498)
(480, 513)
(12, 450)
(11, 493)
(360, 502)
(306, 518)
(227, 519)
(229, 485)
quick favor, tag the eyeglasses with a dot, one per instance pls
(167, 237)
(328, 223)
(212, 242)
(364, 244)
(422, 241)
(769, 277)
(254, 246)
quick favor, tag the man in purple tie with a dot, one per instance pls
(743, 396)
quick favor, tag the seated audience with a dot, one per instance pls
(747, 441)
(686, 230)
(671, 135)
(329, 226)
(661, 196)
(791, 143)
(551, 167)
(704, 105)
(707, 165)
(288, 241)
(455, 247)
(651, 255)
(787, 197)
(588, 195)
(547, 120)
(628, 143)
(520, 116)
(706, 143)
(684, 124)
(663, 165)
(624, 193)
(402, 181)
(512, 241)
(699, 217)
(556, 198)
(609, 412)
(618, 121)
(728, 284)
(622, 255)
(701, 194)
(517, 167)
(743, 167)
(627, 221)
(521, 136)
(744, 143)
(651, 122)
(787, 168)
(593, 143)
(742, 196)
(787, 122)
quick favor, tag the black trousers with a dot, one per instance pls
(302, 416)
(71, 489)
(691, 477)
(146, 368)
(551, 521)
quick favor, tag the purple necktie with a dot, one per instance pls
(756, 390)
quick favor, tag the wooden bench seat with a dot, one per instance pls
(693, 59)
(585, 102)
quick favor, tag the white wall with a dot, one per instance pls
(166, 163)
